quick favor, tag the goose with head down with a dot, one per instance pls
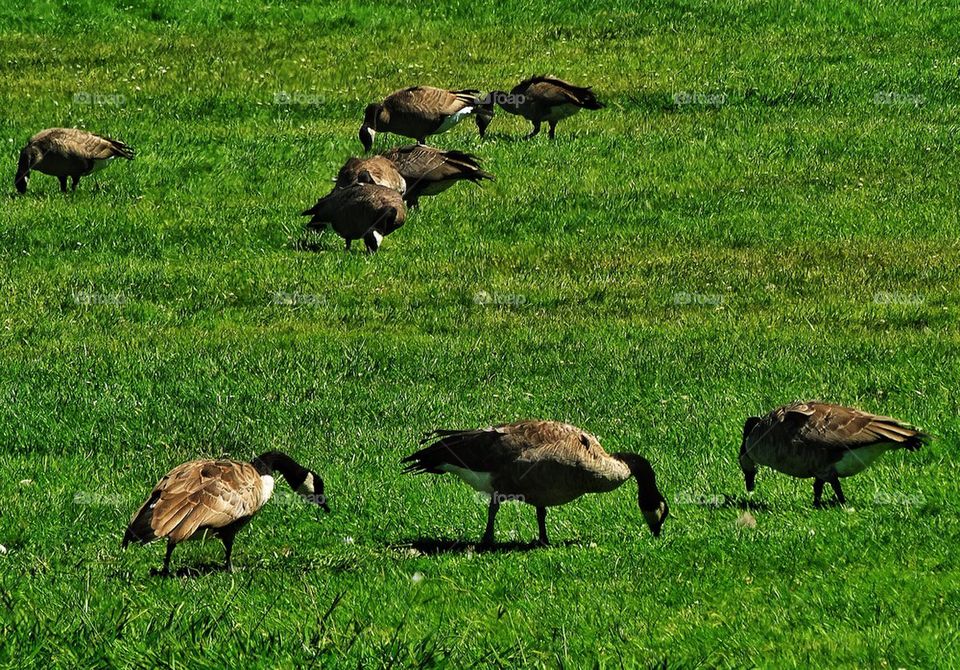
(543, 98)
(360, 211)
(541, 463)
(216, 497)
(428, 171)
(67, 152)
(821, 441)
(420, 111)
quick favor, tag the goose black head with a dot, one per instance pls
(651, 502)
(368, 131)
(311, 490)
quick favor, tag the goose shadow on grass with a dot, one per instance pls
(743, 503)
(437, 546)
(193, 571)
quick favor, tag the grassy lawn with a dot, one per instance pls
(766, 211)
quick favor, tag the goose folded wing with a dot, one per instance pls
(212, 496)
(835, 428)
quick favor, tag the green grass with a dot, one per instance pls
(660, 272)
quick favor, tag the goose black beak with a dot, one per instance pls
(21, 184)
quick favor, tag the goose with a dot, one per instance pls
(67, 152)
(366, 211)
(541, 463)
(823, 441)
(216, 497)
(372, 170)
(421, 111)
(429, 171)
(544, 98)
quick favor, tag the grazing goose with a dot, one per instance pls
(429, 171)
(361, 211)
(823, 441)
(216, 497)
(421, 111)
(544, 98)
(541, 463)
(67, 152)
(372, 170)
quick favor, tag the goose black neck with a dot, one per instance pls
(648, 495)
(271, 461)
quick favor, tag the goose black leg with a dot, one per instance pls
(835, 484)
(63, 183)
(228, 555)
(542, 524)
(165, 571)
(76, 180)
(536, 129)
(818, 492)
(347, 248)
(487, 540)
(553, 129)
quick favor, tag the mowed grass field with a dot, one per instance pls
(765, 211)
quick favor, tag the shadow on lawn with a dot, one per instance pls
(744, 503)
(435, 546)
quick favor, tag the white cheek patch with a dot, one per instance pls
(266, 482)
(378, 237)
(308, 487)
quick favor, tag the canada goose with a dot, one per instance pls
(216, 497)
(544, 98)
(421, 111)
(820, 440)
(366, 211)
(67, 152)
(429, 171)
(372, 170)
(541, 463)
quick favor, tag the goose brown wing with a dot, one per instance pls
(500, 447)
(200, 495)
(88, 146)
(834, 427)
(420, 162)
(427, 101)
